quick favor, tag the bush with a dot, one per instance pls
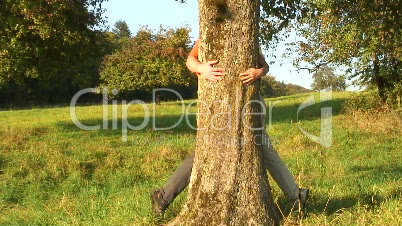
(394, 96)
(367, 101)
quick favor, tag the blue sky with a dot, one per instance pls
(170, 13)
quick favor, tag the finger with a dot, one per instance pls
(210, 79)
(249, 81)
(218, 69)
(218, 73)
(214, 78)
(212, 62)
(218, 78)
(245, 78)
(249, 71)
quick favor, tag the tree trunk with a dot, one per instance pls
(229, 184)
(379, 80)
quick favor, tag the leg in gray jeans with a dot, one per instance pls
(179, 180)
(276, 167)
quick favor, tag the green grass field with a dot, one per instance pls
(53, 173)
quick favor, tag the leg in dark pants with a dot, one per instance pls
(179, 180)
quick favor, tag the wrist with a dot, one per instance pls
(261, 72)
(199, 68)
(264, 71)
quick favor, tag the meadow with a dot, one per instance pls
(54, 173)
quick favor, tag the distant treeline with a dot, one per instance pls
(50, 50)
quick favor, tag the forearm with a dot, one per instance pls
(263, 66)
(193, 64)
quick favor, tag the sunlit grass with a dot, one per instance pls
(53, 173)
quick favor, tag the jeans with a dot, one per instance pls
(276, 168)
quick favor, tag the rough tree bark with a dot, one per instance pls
(229, 184)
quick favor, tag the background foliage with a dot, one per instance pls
(325, 78)
(49, 48)
(151, 60)
(363, 36)
(270, 87)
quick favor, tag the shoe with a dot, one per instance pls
(300, 203)
(159, 205)
(303, 196)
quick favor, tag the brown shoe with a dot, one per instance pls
(159, 205)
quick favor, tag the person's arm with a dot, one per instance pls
(253, 74)
(206, 70)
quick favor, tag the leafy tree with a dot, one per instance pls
(271, 88)
(150, 60)
(121, 29)
(228, 173)
(121, 34)
(275, 19)
(48, 47)
(295, 89)
(325, 78)
(364, 36)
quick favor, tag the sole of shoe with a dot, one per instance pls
(154, 203)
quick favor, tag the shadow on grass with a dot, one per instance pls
(319, 204)
(169, 123)
(179, 124)
(292, 113)
(370, 201)
(367, 187)
(383, 172)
